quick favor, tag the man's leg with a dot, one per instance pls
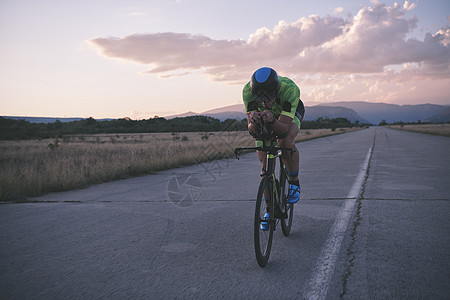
(262, 158)
(291, 161)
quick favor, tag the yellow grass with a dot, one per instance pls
(32, 167)
(308, 134)
(436, 129)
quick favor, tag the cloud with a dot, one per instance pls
(375, 38)
(408, 5)
(338, 10)
(167, 52)
(136, 14)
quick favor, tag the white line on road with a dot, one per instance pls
(320, 280)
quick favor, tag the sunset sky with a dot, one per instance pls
(138, 59)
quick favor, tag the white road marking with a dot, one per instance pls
(321, 276)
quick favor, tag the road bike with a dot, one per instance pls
(272, 194)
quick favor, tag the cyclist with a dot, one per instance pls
(276, 100)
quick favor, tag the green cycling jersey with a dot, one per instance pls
(287, 101)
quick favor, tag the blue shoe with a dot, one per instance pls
(265, 224)
(294, 194)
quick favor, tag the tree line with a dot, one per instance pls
(11, 129)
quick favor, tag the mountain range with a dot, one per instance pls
(377, 112)
(364, 112)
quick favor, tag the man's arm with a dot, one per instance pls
(253, 119)
(280, 126)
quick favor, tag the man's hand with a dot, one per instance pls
(267, 116)
(254, 117)
(254, 129)
(254, 123)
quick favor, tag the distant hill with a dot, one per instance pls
(186, 114)
(228, 115)
(49, 120)
(442, 117)
(377, 112)
(237, 111)
(312, 113)
(364, 112)
(226, 109)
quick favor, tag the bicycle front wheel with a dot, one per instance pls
(263, 234)
(288, 209)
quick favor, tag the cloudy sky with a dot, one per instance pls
(136, 58)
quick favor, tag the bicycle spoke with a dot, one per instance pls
(262, 234)
(286, 224)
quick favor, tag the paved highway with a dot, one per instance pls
(373, 223)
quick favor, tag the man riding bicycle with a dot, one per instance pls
(276, 101)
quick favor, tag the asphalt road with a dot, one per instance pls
(187, 233)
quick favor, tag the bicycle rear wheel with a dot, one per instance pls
(262, 238)
(286, 224)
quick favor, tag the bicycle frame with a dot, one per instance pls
(269, 145)
(271, 189)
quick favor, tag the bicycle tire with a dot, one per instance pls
(263, 239)
(286, 224)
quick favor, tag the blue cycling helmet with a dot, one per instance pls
(265, 84)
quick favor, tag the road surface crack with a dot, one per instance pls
(351, 257)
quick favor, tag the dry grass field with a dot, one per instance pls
(36, 167)
(436, 129)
